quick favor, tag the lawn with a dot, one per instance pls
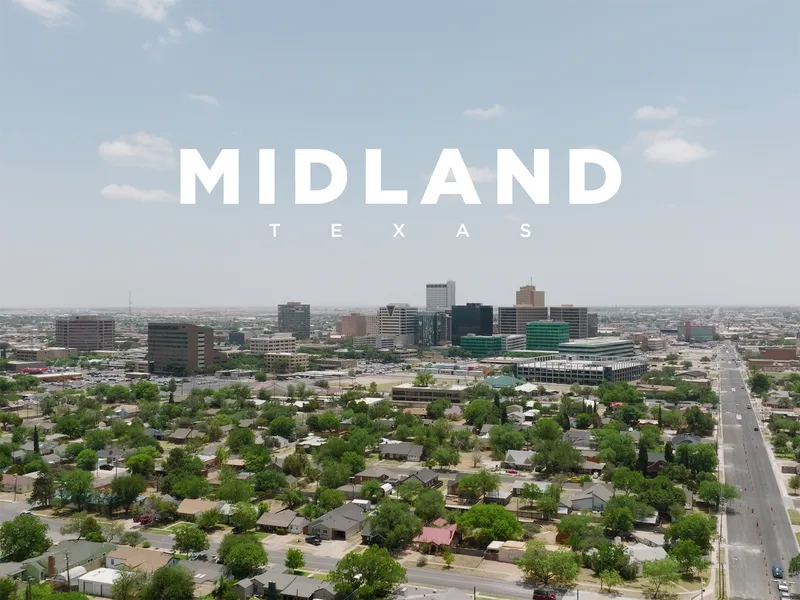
(794, 516)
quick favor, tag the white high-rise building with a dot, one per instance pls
(400, 321)
(440, 296)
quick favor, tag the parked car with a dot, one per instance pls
(313, 539)
(145, 519)
(512, 471)
(542, 594)
(783, 587)
(26, 512)
(777, 572)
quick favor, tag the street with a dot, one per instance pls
(759, 534)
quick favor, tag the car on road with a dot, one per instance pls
(755, 428)
(749, 407)
(783, 587)
(26, 512)
(313, 539)
(777, 572)
(512, 471)
(542, 594)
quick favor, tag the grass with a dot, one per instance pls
(794, 516)
(320, 576)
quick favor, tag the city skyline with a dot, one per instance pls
(698, 105)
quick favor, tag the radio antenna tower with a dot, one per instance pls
(130, 305)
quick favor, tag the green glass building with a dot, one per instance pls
(546, 335)
(481, 346)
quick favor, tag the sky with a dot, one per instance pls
(698, 101)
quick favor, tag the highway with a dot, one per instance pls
(759, 534)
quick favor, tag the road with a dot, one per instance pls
(759, 534)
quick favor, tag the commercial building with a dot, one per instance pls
(440, 296)
(336, 364)
(594, 325)
(85, 332)
(597, 348)
(514, 319)
(582, 371)
(378, 340)
(295, 317)
(513, 342)
(528, 295)
(40, 354)
(656, 344)
(480, 346)
(433, 328)
(180, 348)
(689, 332)
(353, 325)
(409, 393)
(576, 316)
(285, 362)
(239, 338)
(473, 318)
(546, 335)
(779, 353)
(372, 323)
(277, 342)
(400, 321)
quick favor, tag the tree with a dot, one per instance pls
(429, 506)
(244, 516)
(328, 499)
(610, 579)
(244, 558)
(140, 464)
(44, 488)
(410, 489)
(260, 376)
(334, 474)
(86, 460)
(295, 560)
(547, 505)
(760, 383)
(642, 462)
(8, 588)
(573, 527)
(292, 498)
(626, 480)
(618, 520)
(559, 568)
(208, 519)
(36, 439)
(697, 422)
(669, 453)
(127, 488)
(371, 490)
(112, 531)
(717, 493)
(689, 556)
(128, 585)
(77, 486)
(169, 583)
(132, 538)
(794, 483)
(794, 566)
(557, 456)
(235, 490)
(699, 458)
(608, 557)
(393, 526)
(504, 438)
(424, 379)
(660, 573)
(445, 456)
(23, 537)
(484, 523)
(370, 575)
(190, 539)
(448, 557)
(695, 527)
(283, 427)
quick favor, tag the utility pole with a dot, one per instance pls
(69, 578)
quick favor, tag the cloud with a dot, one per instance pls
(195, 26)
(152, 10)
(482, 174)
(129, 192)
(50, 12)
(204, 98)
(484, 113)
(139, 150)
(655, 113)
(669, 147)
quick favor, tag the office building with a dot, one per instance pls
(480, 346)
(440, 296)
(473, 318)
(409, 393)
(576, 316)
(239, 338)
(277, 342)
(546, 335)
(353, 325)
(597, 348)
(513, 342)
(513, 319)
(398, 320)
(593, 325)
(180, 348)
(372, 323)
(528, 295)
(42, 354)
(295, 317)
(689, 332)
(85, 332)
(656, 344)
(583, 372)
(285, 362)
(433, 328)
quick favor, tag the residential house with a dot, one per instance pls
(642, 553)
(126, 411)
(374, 473)
(97, 582)
(592, 498)
(655, 462)
(287, 586)
(401, 451)
(591, 468)
(507, 552)
(181, 436)
(582, 439)
(338, 524)
(427, 477)
(519, 459)
(189, 508)
(144, 560)
(437, 538)
(498, 497)
(452, 484)
(283, 521)
(19, 484)
(82, 553)
(516, 489)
